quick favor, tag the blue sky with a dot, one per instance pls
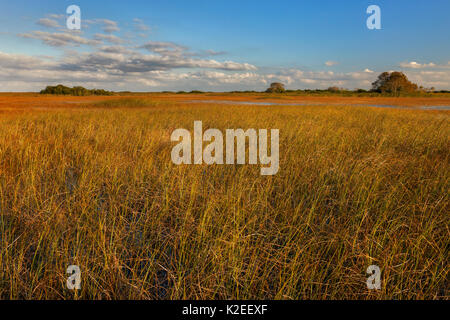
(221, 45)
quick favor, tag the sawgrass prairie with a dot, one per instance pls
(89, 181)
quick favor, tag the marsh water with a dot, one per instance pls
(318, 104)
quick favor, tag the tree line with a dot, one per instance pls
(388, 83)
(75, 91)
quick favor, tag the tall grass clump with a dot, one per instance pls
(96, 188)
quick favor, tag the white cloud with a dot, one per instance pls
(109, 38)
(416, 65)
(140, 25)
(49, 23)
(116, 49)
(61, 39)
(122, 68)
(22, 62)
(165, 48)
(109, 26)
(56, 16)
(117, 68)
(227, 65)
(118, 63)
(331, 63)
(214, 53)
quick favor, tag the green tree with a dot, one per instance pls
(276, 87)
(75, 91)
(334, 89)
(393, 83)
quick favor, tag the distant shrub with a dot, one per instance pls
(75, 91)
(276, 87)
(335, 89)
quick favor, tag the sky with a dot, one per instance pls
(221, 45)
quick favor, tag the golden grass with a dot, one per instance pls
(94, 186)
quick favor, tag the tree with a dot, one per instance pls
(334, 89)
(75, 91)
(394, 83)
(276, 87)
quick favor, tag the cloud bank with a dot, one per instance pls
(112, 59)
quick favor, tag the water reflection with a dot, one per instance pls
(316, 104)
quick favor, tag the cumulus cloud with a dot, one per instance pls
(108, 70)
(416, 65)
(295, 78)
(140, 25)
(22, 62)
(120, 68)
(109, 38)
(59, 39)
(439, 79)
(123, 63)
(171, 55)
(165, 48)
(49, 23)
(214, 53)
(56, 16)
(213, 64)
(109, 65)
(109, 26)
(116, 49)
(331, 63)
